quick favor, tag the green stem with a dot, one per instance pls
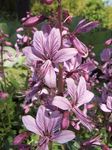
(50, 146)
(2, 65)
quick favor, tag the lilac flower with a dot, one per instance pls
(84, 26)
(31, 21)
(108, 106)
(3, 95)
(108, 42)
(48, 128)
(21, 137)
(75, 68)
(46, 48)
(80, 96)
(106, 54)
(81, 47)
(94, 141)
(48, 2)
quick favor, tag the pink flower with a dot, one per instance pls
(46, 48)
(48, 128)
(84, 26)
(108, 106)
(93, 141)
(80, 96)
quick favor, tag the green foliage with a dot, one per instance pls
(108, 18)
(10, 122)
(94, 10)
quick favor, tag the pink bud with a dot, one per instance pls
(65, 120)
(3, 95)
(108, 42)
(25, 39)
(8, 43)
(21, 137)
(48, 2)
(32, 21)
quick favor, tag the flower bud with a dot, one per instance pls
(48, 2)
(65, 120)
(21, 137)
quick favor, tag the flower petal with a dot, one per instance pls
(62, 103)
(86, 26)
(83, 119)
(43, 69)
(53, 42)
(39, 42)
(71, 88)
(104, 108)
(64, 54)
(29, 54)
(43, 143)
(40, 118)
(50, 77)
(81, 47)
(85, 98)
(30, 124)
(81, 89)
(109, 102)
(64, 136)
(106, 54)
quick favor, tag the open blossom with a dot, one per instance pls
(48, 128)
(108, 106)
(80, 96)
(83, 26)
(46, 48)
(75, 68)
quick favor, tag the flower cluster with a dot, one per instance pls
(62, 76)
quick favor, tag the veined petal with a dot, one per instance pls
(81, 47)
(50, 77)
(104, 108)
(64, 55)
(71, 88)
(43, 143)
(64, 136)
(40, 118)
(44, 68)
(85, 98)
(109, 102)
(81, 89)
(30, 124)
(83, 119)
(53, 42)
(29, 54)
(62, 103)
(39, 42)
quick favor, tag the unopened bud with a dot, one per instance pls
(48, 2)
(65, 120)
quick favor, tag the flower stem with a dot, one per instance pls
(2, 65)
(60, 75)
(50, 146)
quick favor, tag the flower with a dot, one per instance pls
(84, 26)
(106, 54)
(48, 128)
(46, 48)
(108, 106)
(80, 96)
